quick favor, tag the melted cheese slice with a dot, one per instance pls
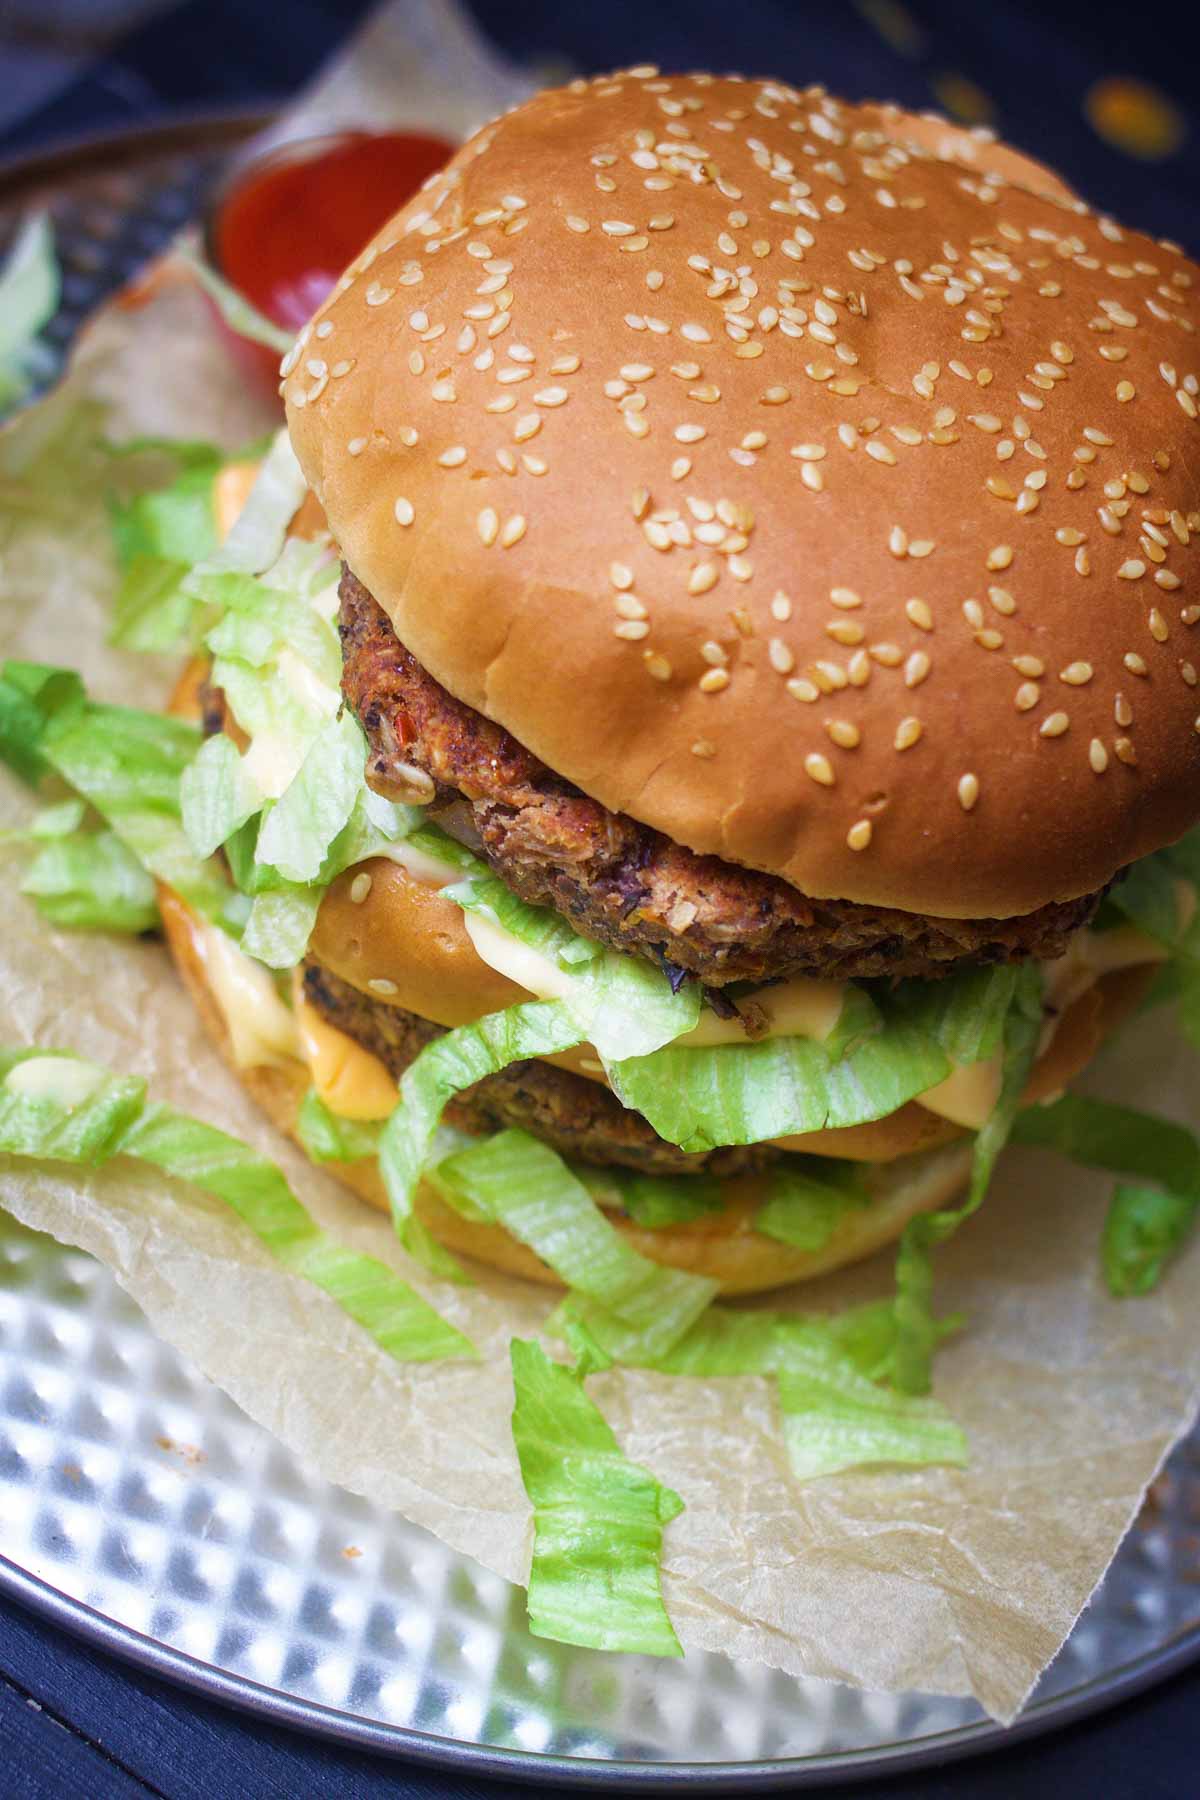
(350, 1080)
(261, 1028)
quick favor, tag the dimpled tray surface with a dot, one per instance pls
(133, 1487)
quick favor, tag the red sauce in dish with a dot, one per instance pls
(287, 227)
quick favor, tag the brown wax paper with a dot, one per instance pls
(955, 1581)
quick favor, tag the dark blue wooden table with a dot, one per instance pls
(1107, 93)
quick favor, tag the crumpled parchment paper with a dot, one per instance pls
(959, 1582)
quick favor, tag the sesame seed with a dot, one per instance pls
(859, 835)
(1160, 631)
(633, 629)
(919, 614)
(1054, 724)
(360, 887)
(713, 680)
(628, 606)
(1000, 557)
(781, 658)
(403, 510)
(916, 669)
(379, 984)
(845, 735)
(908, 733)
(1125, 751)
(551, 396)
(514, 531)
(356, 446)
(968, 791)
(454, 457)
(704, 747)
(488, 524)
(845, 597)
(1132, 569)
(819, 769)
(620, 576)
(1076, 674)
(1027, 696)
(1097, 756)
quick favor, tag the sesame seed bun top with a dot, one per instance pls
(815, 484)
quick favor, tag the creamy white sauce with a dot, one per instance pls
(501, 951)
(270, 763)
(261, 1028)
(430, 871)
(304, 682)
(62, 1079)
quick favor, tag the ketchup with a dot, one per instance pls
(288, 226)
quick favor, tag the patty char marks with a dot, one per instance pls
(623, 883)
(578, 1117)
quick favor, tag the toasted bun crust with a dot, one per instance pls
(714, 443)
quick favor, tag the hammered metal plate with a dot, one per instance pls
(142, 1509)
(175, 1530)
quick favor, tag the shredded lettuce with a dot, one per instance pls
(597, 1517)
(317, 803)
(1103, 1135)
(1145, 1229)
(809, 1197)
(57, 1107)
(259, 532)
(653, 1201)
(835, 1419)
(31, 695)
(1146, 1225)
(328, 1137)
(216, 795)
(443, 1069)
(280, 924)
(159, 534)
(516, 1181)
(89, 880)
(1148, 894)
(835, 1413)
(29, 291)
(128, 765)
(917, 1333)
(963, 1013)
(623, 1004)
(747, 1093)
